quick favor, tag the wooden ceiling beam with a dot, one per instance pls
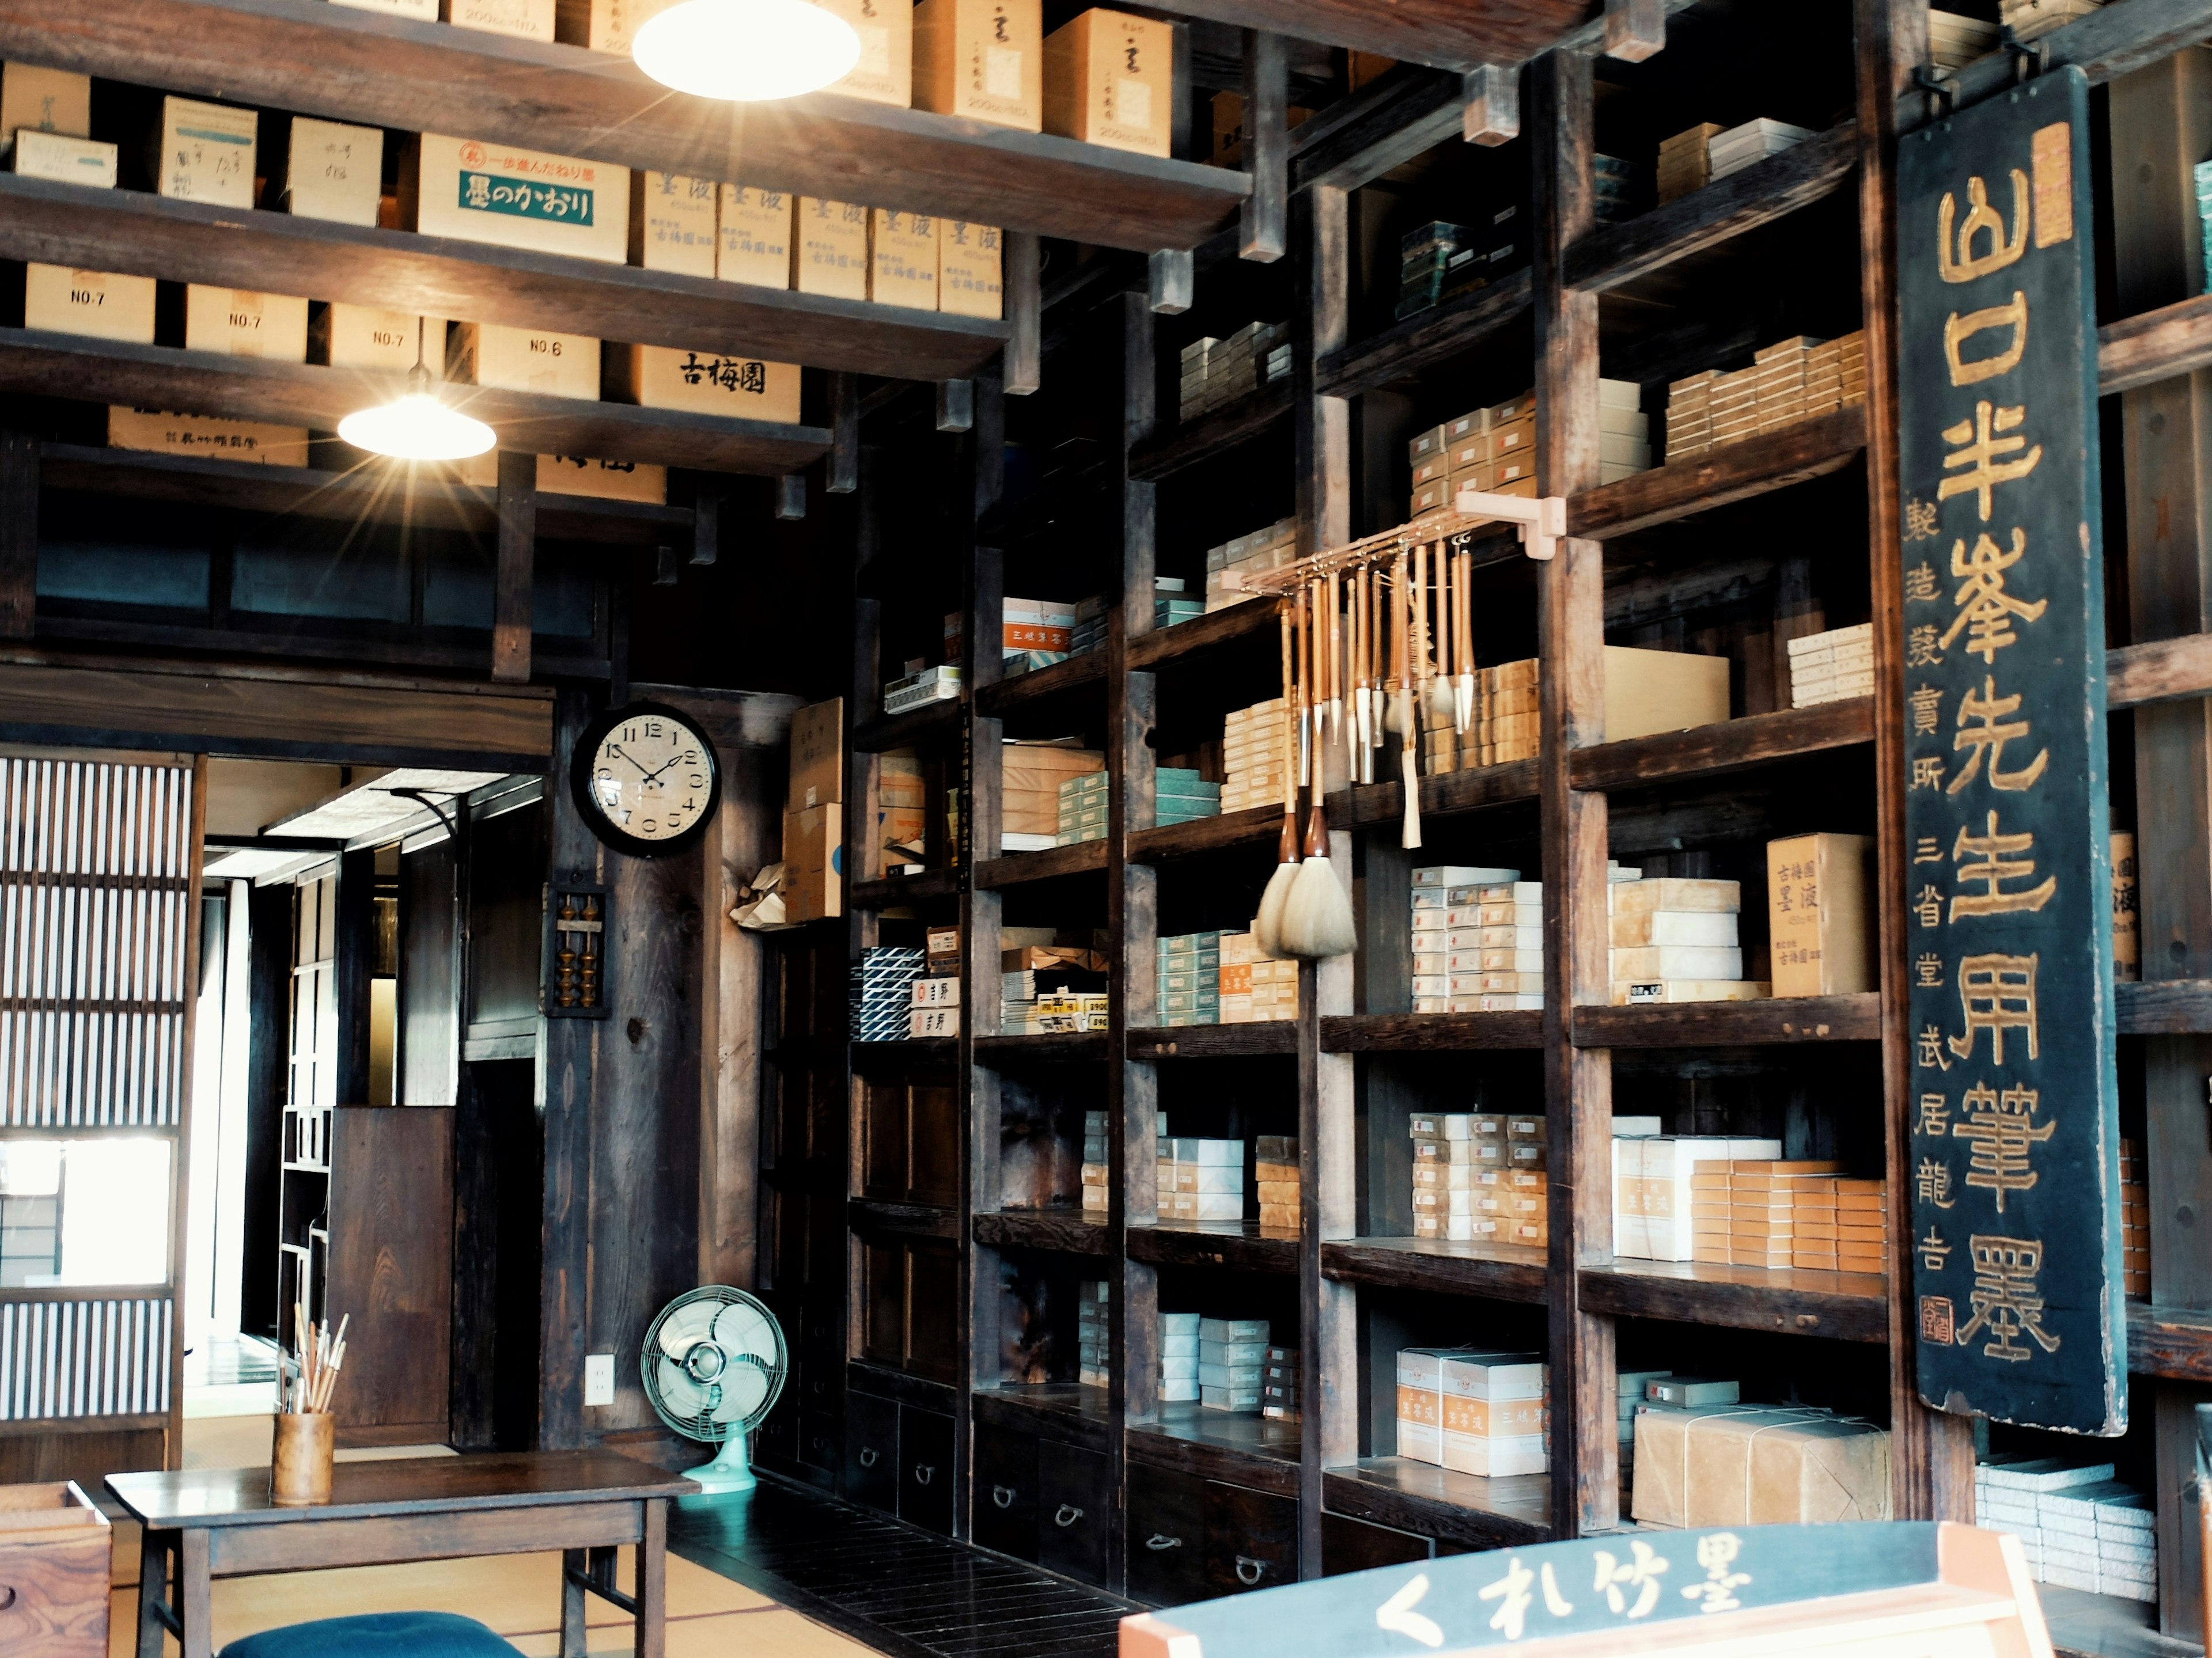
(1455, 34)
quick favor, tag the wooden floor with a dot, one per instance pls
(901, 1590)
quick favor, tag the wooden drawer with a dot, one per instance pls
(1004, 1503)
(925, 1469)
(872, 1451)
(1166, 1546)
(54, 1551)
(1075, 1510)
(1348, 1544)
(818, 1440)
(1251, 1539)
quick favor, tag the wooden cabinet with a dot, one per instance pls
(1005, 1497)
(911, 1293)
(1251, 1539)
(1166, 1545)
(872, 1426)
(911, 1142)
(54, 1549)
(926, 1472)
(391, 1270)
(1075, 1510)
(1349, 1544)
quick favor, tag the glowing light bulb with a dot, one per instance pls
(746, 51)
(416, 426)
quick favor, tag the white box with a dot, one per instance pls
(481, 191)
(56, 155)
(207, 153)
(529, 20)
(334, 172)
(235, 322)
(103, 305)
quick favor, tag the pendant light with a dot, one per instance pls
(746, 51)
(417, 425)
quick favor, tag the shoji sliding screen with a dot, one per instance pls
(98, 923)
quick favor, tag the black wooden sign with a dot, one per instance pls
(2015, 1124)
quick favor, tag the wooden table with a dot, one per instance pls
(211, 1523)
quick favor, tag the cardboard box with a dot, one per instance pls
(614, 24)
(56, 155)
(602, 480)
(1745, 1466)
(734, 388)
(50, 100)
(524, 360)
(885, 74)
(236, 322)
(1648, 691)
(902, 258)
(672, 224)
(529, 20)
(101, 304)
(818, 755)
(814, 862)
(1109, 80)
(207, 153)
(203, 437)
(489, 192)
(833, 248)
(980, 59)
(361, 337)
(754, 238)
(970, 274)
(422, 11)
(1818, 889)
(333, 170)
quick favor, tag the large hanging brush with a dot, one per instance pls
(1267, 925)
(1401, 702)
(1317, 917)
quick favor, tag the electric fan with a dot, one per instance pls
(714, 1364)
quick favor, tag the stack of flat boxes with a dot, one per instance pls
(1279, 1385)
(1031, 779)
(1217, 372)
(902, 809)
(1188, 980)
(883, 991)
(2027, 18)
(1630, 1386)
(1254, 756)
(1180, 795)
(1067, 1012)
(1170, 604)
(1493, 449)
(1674, 940)
(1035, 634)
(2134, 1223)
(1201, 1180)
(1468, 929)
(1480, 1177)
(1616, 186)
(1080, 810)
(1097, 1169)
(1685, 161)
(1275, 1174)
(1254, 989)
(1436, 262)
(1832, 666)
(1754, 141)
(1255, 553)
(1747, 1216)
(1179, 1359)
(1507, 725)
(934, 1007)
(1093, 1337)
(2200, 175)
(2079, 1527)
(1474, 1412)
(1791, 381)
(1654, 1192)
(919, 685)
(1954, 41)
(1232, 1361)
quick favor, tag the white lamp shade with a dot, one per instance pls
(416, 427)
(746, 51)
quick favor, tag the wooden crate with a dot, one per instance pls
(54, 1549)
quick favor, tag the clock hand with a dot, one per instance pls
(616, 749)
(657, 770)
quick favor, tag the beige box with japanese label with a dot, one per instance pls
(885, 74)
(707, 383)
(1109, 80)
(511, 198)
(2127, 915)
(833, 248)
(207, 153)
(754, 237)
(237, 322)
(422, 11)
(1649, 691)
(1745, 1466)
(970, 274)
(614, 24)
(56, 155)
(672, 224)
(203, 436)
(1817, 912)
(601, 480)
(813, 862)
(980, 59)
(902, 260)
(102, 304)
(524, 360)
(531, 20)
(49, 100)
(334, 170)
(362, 336)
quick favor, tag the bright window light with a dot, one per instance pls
(746, 51)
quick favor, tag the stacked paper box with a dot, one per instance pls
(1093, 1339)
(1254, 756)
(2135, 1222)
(883, 991)
(912, 690)
(1690, 413)
(1037, 633)
(1181, 795)
(1217, 372)
(1793, 379)
(1654, 1192)
(1835, 374)
(1232, 1358)
(1081, 809)
(2201, 174)
(1472, 1411)
(1476, 941)
(1170, 604)
(1507, 722)
(933, 1007)
(1178, 1358)
(1632, 1386)
(1861, 1226)
(1201, 1180)
(1480, 1177)
(1954, 41)
(902, 809)
(1067, 1012)
(1098, 1170)
(1674, 940)
(1255, 553)
(1254, 988)
(2080, 1528)
(1278, 1384)
(1436, 262)
(1754, 141)
(1031, 780)
(1188, 979)
(2027, 18)
(1747, 1216)
(1685, 161)
(1832, 666)
(1616, 187)
(1275, 1174)
(1779, 370)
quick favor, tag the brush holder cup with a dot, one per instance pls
(300, 1465)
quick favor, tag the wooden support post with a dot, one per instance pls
(956, 405)
(1571, 639)
(1263, 222)
(664, 567)
(1490, 100)
(19, 534)
(842, 474)
(518, 551)
(1635, 29)
(1025, 353)
(706, 527)
(791, 496)
(1174, 281)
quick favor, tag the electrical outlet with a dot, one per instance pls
(598, 1379)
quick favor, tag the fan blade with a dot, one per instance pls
(741, 1327)
(685, 1327)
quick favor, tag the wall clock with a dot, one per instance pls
(646, 780)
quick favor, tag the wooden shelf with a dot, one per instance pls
(1442, 795)
(388, 71)
(1213, 1041)
(384, 493)
(1071, 1411)
(1500, 1272)
(1213, 434)
(1074, 1047)
(1062, 1229)
(1202, 834)
(1843, 1306)
(1767, 190)
(150, 235)
(2172, 1007)
(1426, 338)
(2142, 350)
(1048, 864)
(905, 888)
(1419, 1496)
(2174, 1342)
(918, 1051)
(40, 364)
(939, 720)
(1766, 1022)
(883, 1381)
(1238, 1244)
(1024, 690)
(1729, 745)
(911, 1219)
(1231, 624)
(1413, 1033)
(1258, 1452)
(1732, 471)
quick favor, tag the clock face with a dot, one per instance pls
(648, 780)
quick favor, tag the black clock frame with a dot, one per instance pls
(580, 782)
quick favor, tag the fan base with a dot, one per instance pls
(730, 1471)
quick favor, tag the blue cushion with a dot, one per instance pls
(380, 1635)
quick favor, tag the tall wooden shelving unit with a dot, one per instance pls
(1662, 558)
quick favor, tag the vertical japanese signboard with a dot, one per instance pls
(2014, 1124)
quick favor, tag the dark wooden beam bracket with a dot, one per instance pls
(517, 555)
(1264, 217)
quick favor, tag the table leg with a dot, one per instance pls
(195, 1593)
(153, 1590)
(574, 1564)
(652, 1581)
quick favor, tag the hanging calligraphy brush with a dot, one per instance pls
(1266, 931)
(1402, 701)
(1316, 916)
(1463, 642)
(1438, 708)
(1335, 656)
